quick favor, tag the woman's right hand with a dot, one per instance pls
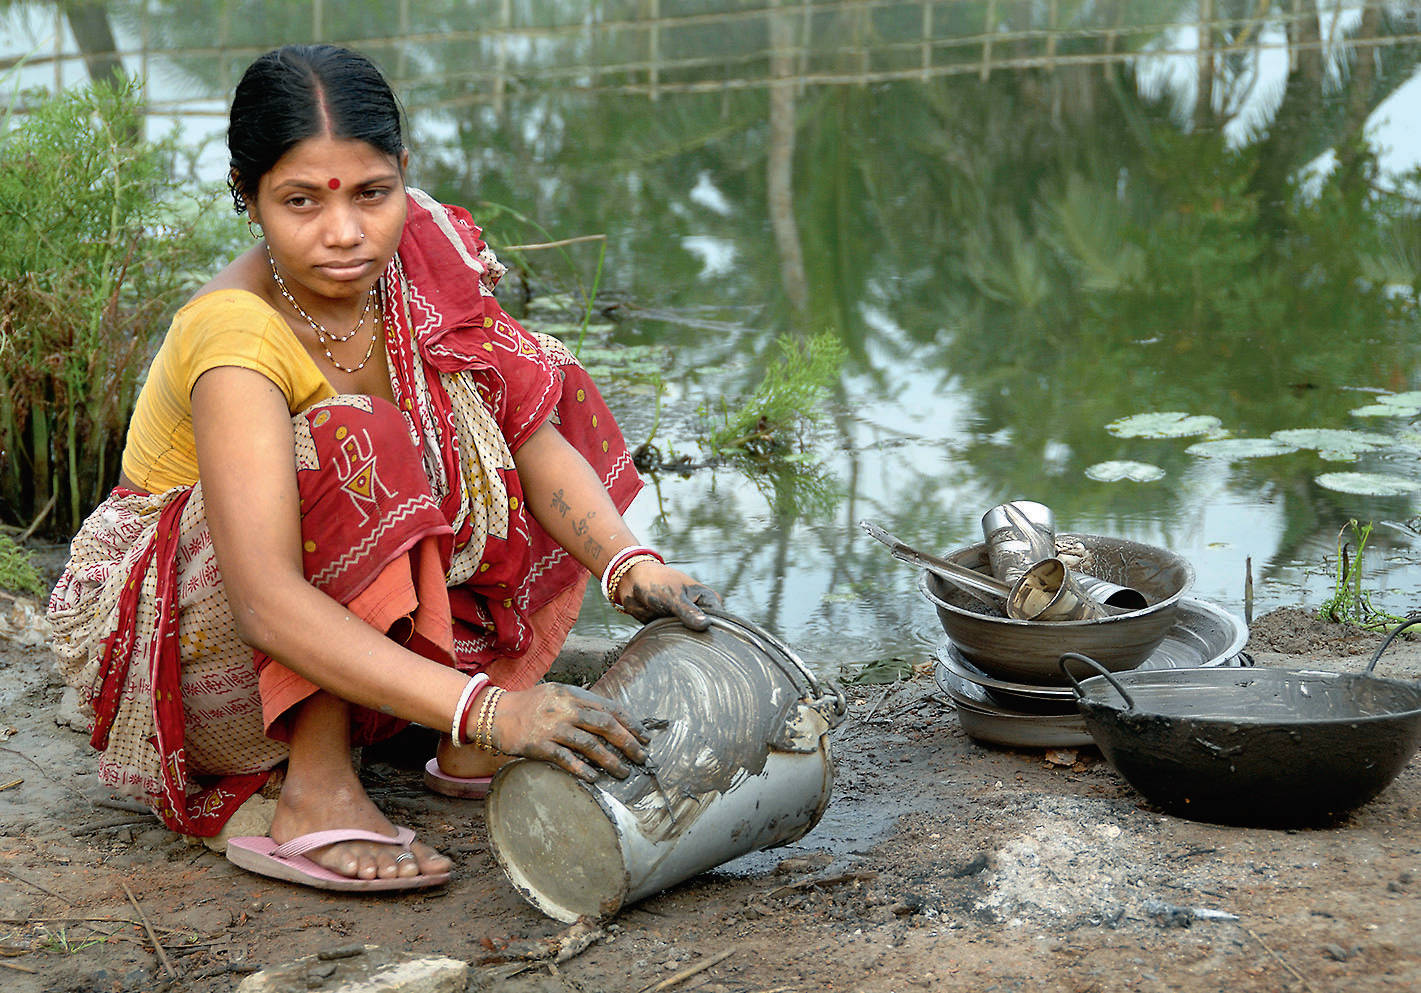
(576, 730)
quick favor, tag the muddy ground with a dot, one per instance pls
(942, 864)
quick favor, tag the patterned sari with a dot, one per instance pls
(412, 515)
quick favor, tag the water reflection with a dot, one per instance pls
(1013, 258)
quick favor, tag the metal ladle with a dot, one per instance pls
(1045, 592)
(988, 589)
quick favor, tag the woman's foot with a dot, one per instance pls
(466, 762)
(322, 792)
(331, 804)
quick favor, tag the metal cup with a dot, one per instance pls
(1019, 534)
(1122, 598)
(1049, 591)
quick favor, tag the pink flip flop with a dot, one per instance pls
(288, 862)
(473, 788)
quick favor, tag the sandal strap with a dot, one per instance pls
(319, 839)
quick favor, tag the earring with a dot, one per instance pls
(254, 230)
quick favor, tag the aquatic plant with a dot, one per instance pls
(1124, 470)
(1240, 448)
(1368, 483)
(1349, 603)
(1333, 444)
(1164, 424)
(772, 421)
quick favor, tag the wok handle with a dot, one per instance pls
(1414, 619)
(1109, 676)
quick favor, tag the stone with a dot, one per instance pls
(375, 970)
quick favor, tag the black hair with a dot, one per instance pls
(297, 92)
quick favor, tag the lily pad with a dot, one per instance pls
(1410, 401)
(1368, 483)
(1124, 471)
(1336, 444)
(1240, 448)
(1384, 410)
(1164, 424)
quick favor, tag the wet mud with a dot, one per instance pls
(940, 864)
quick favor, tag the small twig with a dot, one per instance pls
(874, 709)
(105, 825)
(687, 973)
(157, 945)
(124, 921)
(12, 784)
(129, 805)
(816, 881)
(17, 967)
(1281, 961)
(25, 534)
(554, 244)
(22, 879)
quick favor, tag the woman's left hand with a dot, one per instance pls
(650, 590)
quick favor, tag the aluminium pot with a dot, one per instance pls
(1267, 747)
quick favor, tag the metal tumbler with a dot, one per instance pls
(1019, 534)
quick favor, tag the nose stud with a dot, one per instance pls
(362, 236)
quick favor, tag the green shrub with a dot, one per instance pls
(17, 572)
(101, 244)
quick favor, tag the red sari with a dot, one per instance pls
(412, 515)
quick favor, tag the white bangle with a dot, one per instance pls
(617, 560)
(456, 729)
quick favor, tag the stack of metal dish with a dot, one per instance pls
(1003, 710)
(1000, 661)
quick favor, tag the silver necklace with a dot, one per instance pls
(325, 335)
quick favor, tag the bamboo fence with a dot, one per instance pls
(509, 48)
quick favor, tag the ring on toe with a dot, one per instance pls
(403, 856)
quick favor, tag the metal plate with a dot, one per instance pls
(1203, 635)
(984, 720)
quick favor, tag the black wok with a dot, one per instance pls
(1272, 747)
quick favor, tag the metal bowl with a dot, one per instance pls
(1030, 651)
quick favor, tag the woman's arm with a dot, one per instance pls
(565, 496)
(245, 451)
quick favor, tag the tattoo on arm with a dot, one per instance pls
(560, 504)
(593, 548)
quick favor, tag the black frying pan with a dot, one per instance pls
(1273, 747)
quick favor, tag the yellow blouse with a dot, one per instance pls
(221, 328)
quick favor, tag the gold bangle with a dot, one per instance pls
(492, 712)
(480, 728)
(615, 583)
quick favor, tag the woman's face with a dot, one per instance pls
(332, 211)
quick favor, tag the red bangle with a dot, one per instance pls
(461, 709)
(608, 574)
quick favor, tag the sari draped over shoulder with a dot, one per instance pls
(425, 491)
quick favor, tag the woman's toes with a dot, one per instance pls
(428, 861)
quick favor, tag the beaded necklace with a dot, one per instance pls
(324, 335)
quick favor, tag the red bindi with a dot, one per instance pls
(334, 183)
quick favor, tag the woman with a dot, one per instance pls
(355, 494)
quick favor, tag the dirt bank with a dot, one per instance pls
(942, 864)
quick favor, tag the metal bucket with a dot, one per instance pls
(739, 762)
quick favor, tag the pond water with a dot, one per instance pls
(979, 367)
(1014, 267)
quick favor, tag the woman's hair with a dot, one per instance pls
(300, 91)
